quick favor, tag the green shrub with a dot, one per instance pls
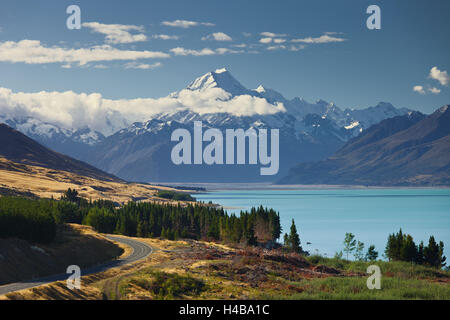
(169, 285)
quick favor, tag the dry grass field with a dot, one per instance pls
(48, 183)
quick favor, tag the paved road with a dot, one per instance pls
(140, 251)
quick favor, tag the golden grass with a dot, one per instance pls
(48, 183)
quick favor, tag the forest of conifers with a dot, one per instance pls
(36, 220)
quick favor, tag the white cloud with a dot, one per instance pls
(241, 45)
(227, 50)
(333, 33)
(272, 35)
(117, 33)
(246, 34)
(33, 52)
(179, 51)
(265, 40)
(326, 38)
(186, 24)
(434, 90)
(72, 110)
(419, 89)
(296, 48)
(441, 76)
(165, 37)
(279, 40)
(277, 47)
(143, 66)
(218, 36)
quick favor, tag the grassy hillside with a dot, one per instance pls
(74, 244)
(36, 181)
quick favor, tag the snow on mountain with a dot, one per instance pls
(309, 131)
(342, 124)
(220, 78)
(40, 130)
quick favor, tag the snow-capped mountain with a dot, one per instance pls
(141, 151)
(75, 143)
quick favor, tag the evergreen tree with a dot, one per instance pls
(371, 254)
(70, 195)
(286, 241)
(433, 253)
(408, 249)
(250, 235)
(394, 246)
(359, 255)
(294, 239)
(420, 259)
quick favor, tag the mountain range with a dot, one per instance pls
(407, 150)
(140, 151)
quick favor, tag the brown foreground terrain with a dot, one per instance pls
(189, 269)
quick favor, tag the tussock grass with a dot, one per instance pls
(401, 269)
(353, 288)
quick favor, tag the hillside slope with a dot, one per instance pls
(410, 150)
(18, 148)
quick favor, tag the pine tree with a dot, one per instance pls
(371, 254)
(359, 255)
(420, 259)
(408, 249)
(433, 253)
(294, 239)
(394, 246)
(250, 235)
(286, 241)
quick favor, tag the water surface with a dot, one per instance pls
(324, 216)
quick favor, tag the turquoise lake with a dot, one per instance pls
(324, 216)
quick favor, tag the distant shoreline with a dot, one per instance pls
(208, 187)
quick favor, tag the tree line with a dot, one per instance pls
(36, 220)
(399, 247)
(146, 219)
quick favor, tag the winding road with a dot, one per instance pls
(141, 251)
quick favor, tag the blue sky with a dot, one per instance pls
(350, 65)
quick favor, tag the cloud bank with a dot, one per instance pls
(72, 110)
(186, 24)
(33, 52)
(117, 33)
(180, 51)
(326, 38)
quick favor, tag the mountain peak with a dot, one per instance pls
(220, 78)
(260, 89)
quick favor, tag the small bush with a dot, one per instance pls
(169, 285)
